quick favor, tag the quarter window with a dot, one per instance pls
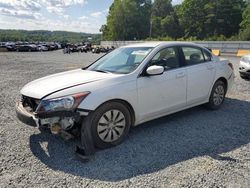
(168, 58)
(193, 56)
(207, 56)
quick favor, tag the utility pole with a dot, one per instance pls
(150, 29)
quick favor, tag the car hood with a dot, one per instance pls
(50, 84)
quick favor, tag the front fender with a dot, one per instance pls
(125, 91)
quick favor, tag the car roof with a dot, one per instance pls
(155, 44)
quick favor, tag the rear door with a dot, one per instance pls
(200, 73)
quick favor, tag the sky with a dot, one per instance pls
(65, 15)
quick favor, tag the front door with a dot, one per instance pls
(157, 95)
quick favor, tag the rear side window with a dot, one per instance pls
(193, 56)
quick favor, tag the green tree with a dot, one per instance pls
(161, 8)
(245, 24)
(46, 36)
(205, 18)
(127, 20)
(165, 20)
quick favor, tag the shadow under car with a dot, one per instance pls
(155, 145)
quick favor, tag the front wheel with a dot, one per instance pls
(217, 95)
(110, 124)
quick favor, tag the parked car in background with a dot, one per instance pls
(88, 46)
(101, 49)
(82, 49)
(126, 87)
(3, 47)
(2, 44)
(10, 46)
(52, 47)
(96, 50)
(59, 46)
(42, 48)
(244, 67)
(23, 46)
(27, 48)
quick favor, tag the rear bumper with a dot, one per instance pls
(26, 117)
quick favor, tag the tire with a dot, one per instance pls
(110, 124)
(217, 95)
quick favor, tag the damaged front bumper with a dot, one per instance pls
(37, 120)
(26, 117)
(56, 122)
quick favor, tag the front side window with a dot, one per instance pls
(122, 60)
(193, 56)
(168, 58)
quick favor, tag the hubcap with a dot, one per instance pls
(111, 126)
(218, 95)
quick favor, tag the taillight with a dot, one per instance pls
(231, 65)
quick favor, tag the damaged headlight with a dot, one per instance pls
(65, 103)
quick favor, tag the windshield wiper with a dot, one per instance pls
(102, 71)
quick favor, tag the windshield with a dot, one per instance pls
(121, 60)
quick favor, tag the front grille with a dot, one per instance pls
(30, 103)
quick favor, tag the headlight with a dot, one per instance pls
(62, 103)
(245, 60)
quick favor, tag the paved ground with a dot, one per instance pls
(193, 148)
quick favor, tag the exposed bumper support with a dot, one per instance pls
(75, 115)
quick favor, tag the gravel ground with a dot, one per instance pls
(192, 148)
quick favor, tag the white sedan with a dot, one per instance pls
(126, 87)
(244, 67)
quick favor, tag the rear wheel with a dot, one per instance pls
(217, 95)
(110, 124)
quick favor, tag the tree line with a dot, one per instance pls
(190, 20)
(48, 36)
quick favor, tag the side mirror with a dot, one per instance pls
(155, 70)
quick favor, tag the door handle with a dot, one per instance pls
(180, 75)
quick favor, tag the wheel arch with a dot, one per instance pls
(125, 103)
(224, 80)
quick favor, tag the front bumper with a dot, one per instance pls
(244, 68)
(26, 117)
(37, 120)
(245, 73)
